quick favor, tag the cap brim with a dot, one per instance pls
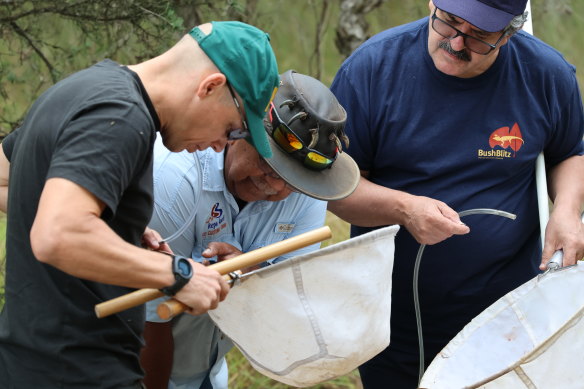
(259, 137)
(335, 183)
(477, 13)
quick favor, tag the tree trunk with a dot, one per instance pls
(352, 29)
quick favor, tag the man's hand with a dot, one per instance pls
(204, 291)
(153, 241)
(566, 232)
(225, 251)
(431, 221)
(221, 250)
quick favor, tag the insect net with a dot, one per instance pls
(316, 316)
(532, 337)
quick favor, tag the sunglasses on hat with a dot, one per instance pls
(293, 144)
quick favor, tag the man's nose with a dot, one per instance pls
(457, 43)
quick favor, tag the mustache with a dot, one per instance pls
(462, 55)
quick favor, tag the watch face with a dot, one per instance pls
(184, 267)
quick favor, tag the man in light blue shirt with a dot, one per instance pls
(239, 198)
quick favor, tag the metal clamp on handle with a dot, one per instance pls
(556, 261)
(234, 278)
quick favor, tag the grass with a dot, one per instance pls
(243, 376)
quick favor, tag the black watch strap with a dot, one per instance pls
(183, 272)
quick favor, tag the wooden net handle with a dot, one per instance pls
(242, 261)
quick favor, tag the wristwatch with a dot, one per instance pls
(183, 271)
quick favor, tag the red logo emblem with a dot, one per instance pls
(503, 137)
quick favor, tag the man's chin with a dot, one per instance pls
(277, 197)
(169, 145)
(256, 195)
(450, 65)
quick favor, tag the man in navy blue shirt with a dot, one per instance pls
(446, 114)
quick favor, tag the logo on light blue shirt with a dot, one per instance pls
(216, 213)
(216, 221)
(284, 228)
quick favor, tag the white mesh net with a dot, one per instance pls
(317, 316)
(532, 337)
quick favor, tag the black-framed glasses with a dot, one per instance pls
(292, 143)
(238, 133)
(450, 32)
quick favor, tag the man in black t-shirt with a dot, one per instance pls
(76, 183)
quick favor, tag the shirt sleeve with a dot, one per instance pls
(569, 128)
(175, 180)
(176, 183)
(355, 101)
(8, 143)
(104, 149)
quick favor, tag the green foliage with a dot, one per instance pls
(560, 23)
(45, 40)
(175, 21)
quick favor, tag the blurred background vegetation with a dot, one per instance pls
(45, 40)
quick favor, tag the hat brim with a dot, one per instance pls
(335, 183)
(477, 13)
(259, 137)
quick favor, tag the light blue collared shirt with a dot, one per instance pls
(182, 180)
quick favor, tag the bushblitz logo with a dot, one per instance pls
(500, 141)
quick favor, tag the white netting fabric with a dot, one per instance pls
(317, 316)
(532, 337)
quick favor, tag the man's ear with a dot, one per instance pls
(210, 84)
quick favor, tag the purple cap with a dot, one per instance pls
(488, 15)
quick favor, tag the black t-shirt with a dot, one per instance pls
(97, 129)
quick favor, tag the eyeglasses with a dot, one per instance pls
(239, 133)
(473, 44)
(292, 143)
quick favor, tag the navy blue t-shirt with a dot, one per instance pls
(471, 143)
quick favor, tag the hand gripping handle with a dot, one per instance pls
(242, 261)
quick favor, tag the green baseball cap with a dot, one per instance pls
(244, 55)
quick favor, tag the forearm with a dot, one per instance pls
(566, 186)
(91, 250)
(69, 234)
(565, 230)
(371, 205)
(429, 221)
(4, 174)
(3, 197)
